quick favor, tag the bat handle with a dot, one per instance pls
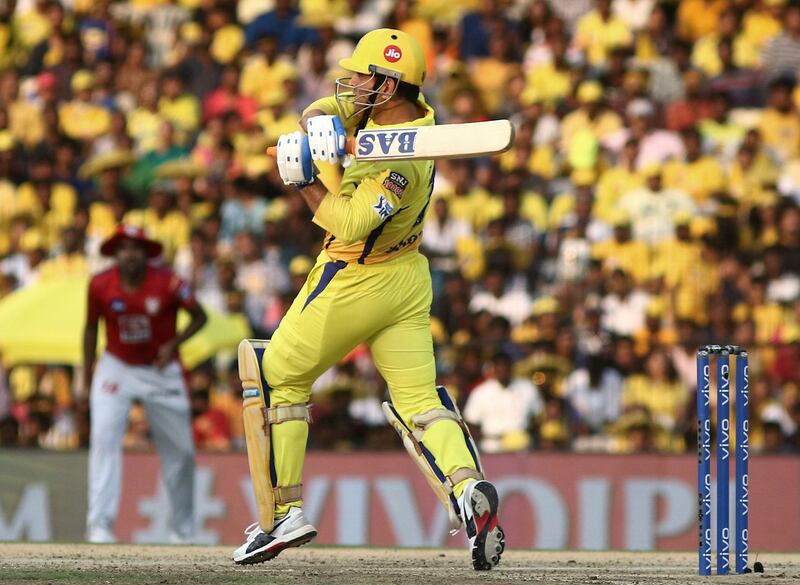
(349, 148)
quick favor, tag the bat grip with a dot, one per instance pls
(349, 148)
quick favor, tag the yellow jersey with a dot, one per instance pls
(378, 210)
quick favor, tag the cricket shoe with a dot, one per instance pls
(487, 542)
(291, 530)
(98, 534)
(180, 539)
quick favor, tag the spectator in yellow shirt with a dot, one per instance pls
(563, 204)
(265, 70)
(551, 80)
(705, 55)
(721, 132)
(51, 204)
(677, 254)
(700, 281)
(763, 22)
(780, 124)
(474, 205)
(655, 333)
(165, 223)
(592, 115)
(533, 206)
(767, 315)
(662, 393)
(491, 74)
(749, 173)
(698, 174)
(69, 261)
(33, 25)
(618, 180)
(537, 159)
(144, 121)
(81, 119)
(623, 252)
(276, 118)
(25, 121)
(598, 31)
(697, 18)
(177, 106)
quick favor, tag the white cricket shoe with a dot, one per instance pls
(100, 535)
(479, 505)
(291, 530)
(179, 539)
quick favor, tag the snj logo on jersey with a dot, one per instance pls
(392, 53)
(390, 143)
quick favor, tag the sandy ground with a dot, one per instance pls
(163, 565)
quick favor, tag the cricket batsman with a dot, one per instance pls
(369, 285)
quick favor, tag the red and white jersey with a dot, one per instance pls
(139, 322)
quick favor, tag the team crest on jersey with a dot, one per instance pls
(184, 292)
(152, 305)
(396, 183)
(118, 305)
(383, 208)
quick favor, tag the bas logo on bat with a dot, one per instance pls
(388, 143)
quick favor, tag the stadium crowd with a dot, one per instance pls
(650, 203)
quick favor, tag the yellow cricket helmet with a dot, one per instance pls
(391, 52)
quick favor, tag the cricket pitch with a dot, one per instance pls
(49, 563)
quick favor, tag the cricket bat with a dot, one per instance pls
(430, 142)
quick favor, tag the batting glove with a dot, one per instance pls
(326, 138)
(294, 159)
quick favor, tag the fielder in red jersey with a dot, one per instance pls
(140, 322)
(139, 303)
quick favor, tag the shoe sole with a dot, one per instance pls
(269, 553)
(490, 541)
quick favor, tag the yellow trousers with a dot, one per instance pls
(342, 305)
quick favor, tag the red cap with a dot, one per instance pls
(46, 80)
(130, 232)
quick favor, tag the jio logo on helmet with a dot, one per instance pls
(392, 53)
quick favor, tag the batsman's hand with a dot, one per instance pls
(294, 159)
(326, 138)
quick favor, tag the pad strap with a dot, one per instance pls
(461, 474)
(286, 494)
(425, 420)
(286, 412)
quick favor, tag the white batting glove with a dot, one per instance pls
(294, 159)
(326, 138)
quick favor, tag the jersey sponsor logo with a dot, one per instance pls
(389, 143)
(404, 243)
(134, 328)
(118, 305)
(392, 53)
(396, 183)
(152, 305)
(383, 208)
